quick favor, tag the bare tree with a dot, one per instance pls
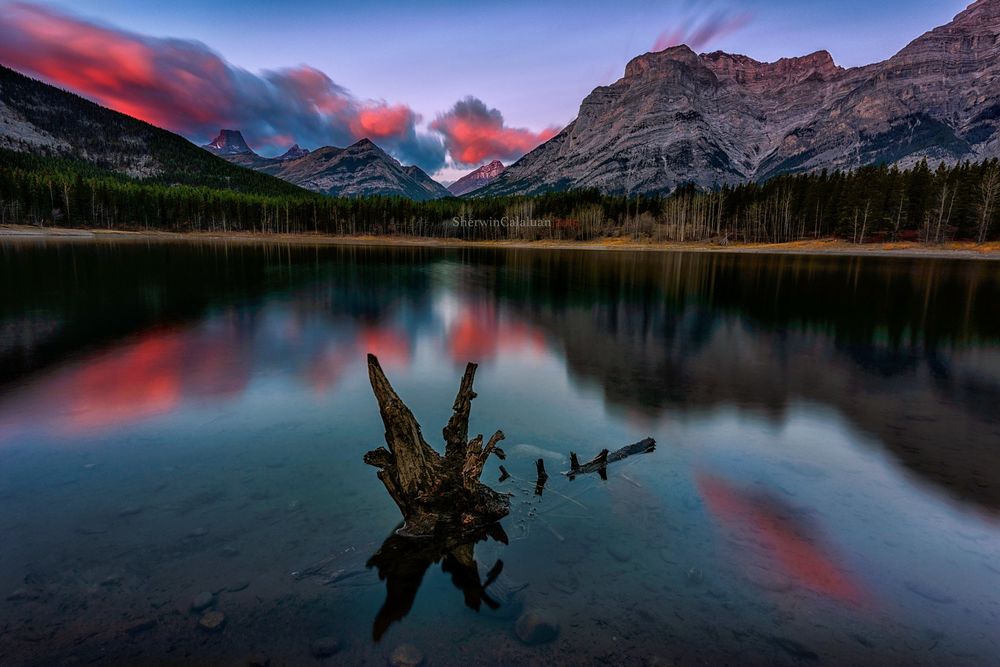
(629, 182)
(989, 192)
(943, 203)
(864, 222)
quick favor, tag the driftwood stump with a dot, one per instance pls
(599, 463)
(436, 494)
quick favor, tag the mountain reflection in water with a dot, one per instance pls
(827, 438)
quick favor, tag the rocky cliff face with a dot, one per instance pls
(359, 170)
(677, 117)
(476, 179)
(229, 142)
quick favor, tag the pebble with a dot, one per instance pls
(22, 594)
(141, 626)
(794, 648)
(928, 592)
(619, 553)
(567, 585)
(694, 577)
(212, 621)
(536, 626)
(238, 586)
(406, 655)
(769, 580)
(202, 601)
(657, 661)
(324, 647)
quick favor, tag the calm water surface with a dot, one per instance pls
(182, 418)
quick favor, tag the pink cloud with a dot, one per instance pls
(474, 133)
(698, 30)
(186, 87)
(381, 120)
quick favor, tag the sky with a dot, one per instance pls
(444, 85)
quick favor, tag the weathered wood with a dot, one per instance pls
(599, 463)
(456, 431)
(542, 477)
(434, 493)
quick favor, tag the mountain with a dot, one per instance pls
(229, 142)
(434, 189)
(678, 117)
(294, 152)
(359, 170)
(43, 120)
(476, 179)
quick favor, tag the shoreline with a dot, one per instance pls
(954, 250)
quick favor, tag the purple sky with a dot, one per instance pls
(532, 62)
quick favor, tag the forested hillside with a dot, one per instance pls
(43, 120)
(872, 204)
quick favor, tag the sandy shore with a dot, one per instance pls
(957, 250)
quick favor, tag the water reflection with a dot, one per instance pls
(779, 545)
(402, 563)
(827, 445)
(899, 347)
(151, 374)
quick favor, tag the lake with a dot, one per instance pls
(181, 419)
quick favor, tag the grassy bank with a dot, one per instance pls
(954, 250)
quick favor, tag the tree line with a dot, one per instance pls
(873, 204)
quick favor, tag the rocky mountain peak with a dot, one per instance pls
(758, 76)
(491, 169)
(978, 11)
(294, 152)
(717, 118)
(659, 61)
(477, 178)
(229, 142)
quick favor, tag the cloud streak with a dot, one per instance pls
(699, 27)
(474, 133)
(184, 86)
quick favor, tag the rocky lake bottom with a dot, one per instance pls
(181, 474)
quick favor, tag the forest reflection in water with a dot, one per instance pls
(802, 405)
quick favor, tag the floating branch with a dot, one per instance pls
(599, 463)
(435, 493)
(542, 477)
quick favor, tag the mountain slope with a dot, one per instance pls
(476, 179)
(361, 169)
(434, 189)
(40, 119)
(678, 117)
(229, 142)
